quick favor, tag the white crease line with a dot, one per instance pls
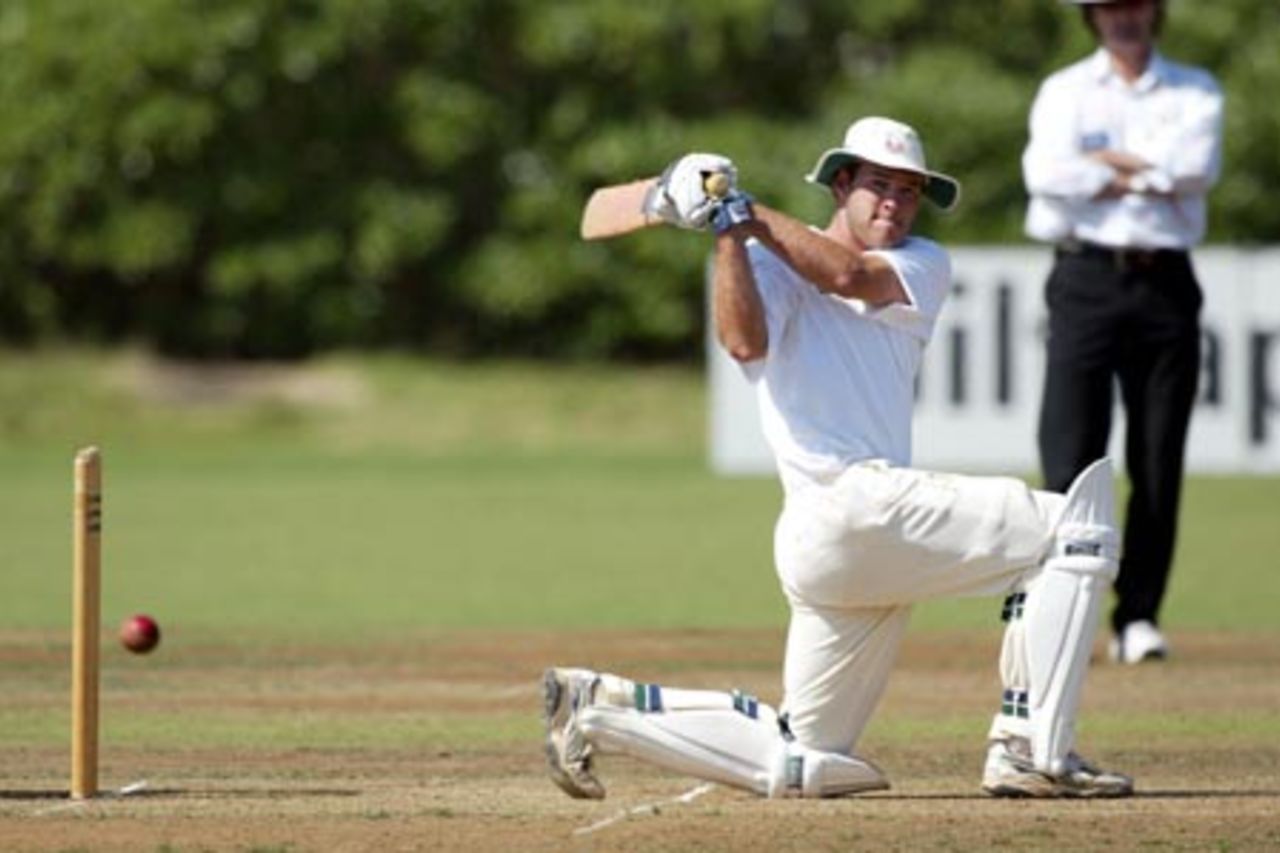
(131, 788)
(647, 809)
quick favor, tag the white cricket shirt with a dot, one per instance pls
(837, 383)
(1171, 117)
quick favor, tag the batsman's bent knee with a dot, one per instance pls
(808, 773)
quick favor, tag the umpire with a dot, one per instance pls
(1124, 146)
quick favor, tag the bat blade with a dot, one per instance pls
(616, 210)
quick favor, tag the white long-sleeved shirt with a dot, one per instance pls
(1171, 117)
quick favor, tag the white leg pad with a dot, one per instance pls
(729, 748)
(720, 746)
(1013, 719)
(1062, 609)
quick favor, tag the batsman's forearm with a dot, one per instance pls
(736, 305)
(818, 259)
(830, 265)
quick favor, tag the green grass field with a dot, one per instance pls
(362, 564)
(385, 495)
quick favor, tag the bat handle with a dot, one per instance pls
(716, 184)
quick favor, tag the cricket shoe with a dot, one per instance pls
(565, 692)
(1010, 773)
(1137, 642)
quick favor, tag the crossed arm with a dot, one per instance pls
(1125, 169)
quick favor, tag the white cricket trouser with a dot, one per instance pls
(854, 555)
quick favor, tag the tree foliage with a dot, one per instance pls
(267, 178)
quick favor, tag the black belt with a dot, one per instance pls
(1121, 257)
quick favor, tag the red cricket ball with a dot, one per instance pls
(139, 634)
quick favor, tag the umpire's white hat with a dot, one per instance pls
(891, 144)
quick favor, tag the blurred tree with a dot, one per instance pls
(268, 178)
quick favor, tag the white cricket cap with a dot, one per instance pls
(893, 145)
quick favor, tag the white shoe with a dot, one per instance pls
(1138, 642)
(564, 693)
(1010, 773)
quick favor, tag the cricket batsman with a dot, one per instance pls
(830, 326)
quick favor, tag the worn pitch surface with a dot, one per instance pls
(434, 743)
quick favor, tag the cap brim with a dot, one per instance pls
(830, 163)
(942, 190)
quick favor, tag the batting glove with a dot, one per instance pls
(682, 197)
(733, 209)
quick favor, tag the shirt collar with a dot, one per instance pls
(1157, 70)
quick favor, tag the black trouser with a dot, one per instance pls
(1132, 317)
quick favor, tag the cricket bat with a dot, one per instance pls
(620, 209)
